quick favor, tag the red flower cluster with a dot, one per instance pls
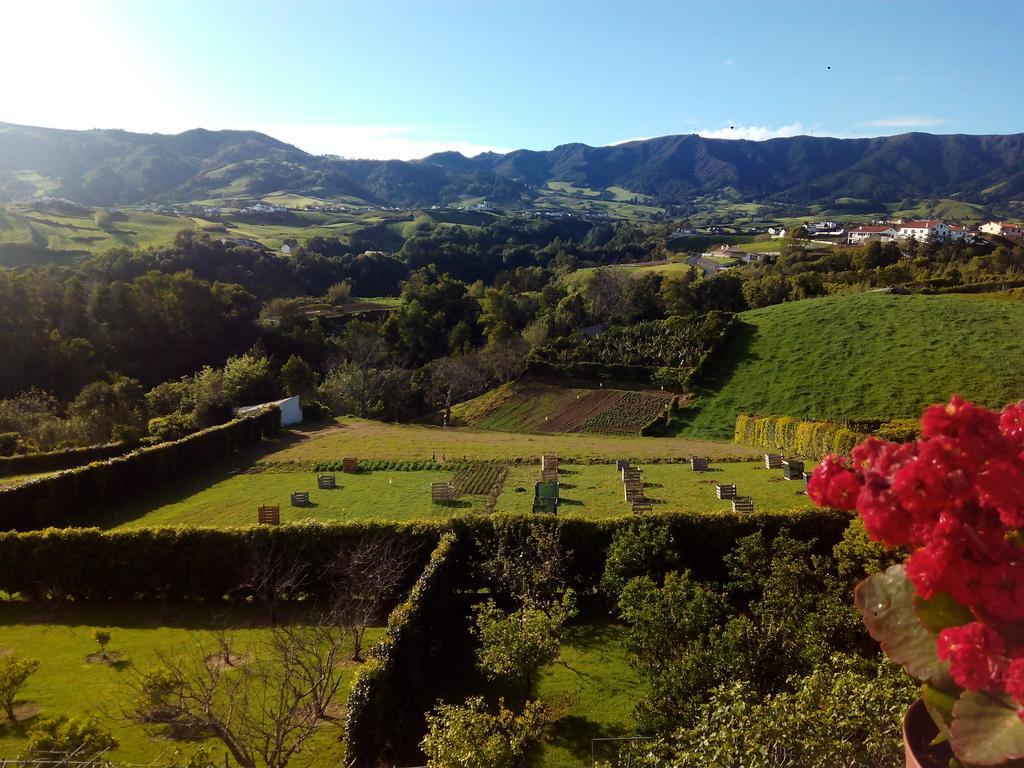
(956, 499)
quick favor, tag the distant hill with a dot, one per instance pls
(110, 167)
(867, 356)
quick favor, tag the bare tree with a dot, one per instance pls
(272, 577)
(264, 711)
(455, 378)
(364, 579)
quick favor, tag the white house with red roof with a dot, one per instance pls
(1003, 229)
(923, 229)
(862, 234)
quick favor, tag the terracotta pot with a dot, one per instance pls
(918, 732)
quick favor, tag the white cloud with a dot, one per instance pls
(376, 142)
(730, 62)
(626, 141)
(903, 122)
(753, 132)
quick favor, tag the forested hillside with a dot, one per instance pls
(105, 167)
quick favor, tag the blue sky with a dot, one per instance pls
(392, 78)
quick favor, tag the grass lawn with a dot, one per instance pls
(595, 490)
(865, 356)
(366, 439)
(594, 689)
(223, 499)
(67, 682)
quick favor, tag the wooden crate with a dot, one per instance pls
(549, 475)
(699, 464)
(773, 461)
(442, 492)
(269, 515)
(793, 470)
(631, 474)
(549, 461)
(633, 492)
(300, 499)
(642, 508)
(326, 481)
(350, 465)
(725, 490)
(743, 504)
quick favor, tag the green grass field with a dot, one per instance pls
(367, 439)
(865, 356)
(595, 490)
(593, 690)
(223, 499)
(68, 682)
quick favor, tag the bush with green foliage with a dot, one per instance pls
(514, 645)
(470, 736)
(67, 735)
(638, 549)
(14, 673)
(845, 713)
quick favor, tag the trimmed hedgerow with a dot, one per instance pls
(52, 461)
(65, 497)
(183, 563)
(410, 667)
(812, 439)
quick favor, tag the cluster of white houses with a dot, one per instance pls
(931, 229)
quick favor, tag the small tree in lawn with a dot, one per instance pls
(67, 735)
(14, 673)
(470, 736)
(102, 637)
(515, 645)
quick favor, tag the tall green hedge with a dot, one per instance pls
(184, 563)
(812, 439)
(423, 652)
(62, 499)
(52, 461)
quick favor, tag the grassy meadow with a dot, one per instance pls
(72, 681)
(365, 439)
(871, 355)
(593, 691)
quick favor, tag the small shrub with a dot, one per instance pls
(14, 673)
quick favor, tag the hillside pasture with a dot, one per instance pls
(866, 356)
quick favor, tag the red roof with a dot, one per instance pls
(921, 224)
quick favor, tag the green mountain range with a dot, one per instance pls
(112, 167)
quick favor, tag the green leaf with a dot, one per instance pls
(940, 612)
(986, 729)
(885, 602)
(940, 706)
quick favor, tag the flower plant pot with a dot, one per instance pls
(918, 732)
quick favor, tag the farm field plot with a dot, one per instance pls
(593, 690)
(595, 490)
(366, 439)
(532, 407)
(220, 499)
(866, 356)
(68, 683)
